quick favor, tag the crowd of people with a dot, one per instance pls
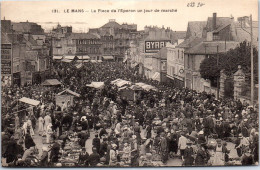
(170, 122)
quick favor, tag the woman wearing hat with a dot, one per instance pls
(113, 155)
(243, 143)
(49, 132)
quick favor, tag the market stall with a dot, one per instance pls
(97, 85)
(51, 82)
(66, 96)
(29, 101)
(120, 82)
(146, 87)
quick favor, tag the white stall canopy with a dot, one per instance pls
(29, 101)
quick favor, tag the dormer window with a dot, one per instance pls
(216, 37)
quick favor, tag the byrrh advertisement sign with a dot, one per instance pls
(155, 46)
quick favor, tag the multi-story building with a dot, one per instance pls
(61, 44)
(115, 38)
(175, 65)
(219, 35)
(87, 44)
(29, 52)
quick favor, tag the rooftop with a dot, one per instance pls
(83, 36)
(195, 29)
(212, 47)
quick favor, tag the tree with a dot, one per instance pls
(229, 62)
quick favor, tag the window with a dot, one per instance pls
(216, 37)
(173, 70)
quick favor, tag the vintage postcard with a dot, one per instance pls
(137, 83)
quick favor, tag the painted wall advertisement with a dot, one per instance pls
(154, 46)
(6, 64)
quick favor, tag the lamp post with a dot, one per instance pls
(252, 63)
(217, 76)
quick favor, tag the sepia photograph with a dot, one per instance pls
(129, 83)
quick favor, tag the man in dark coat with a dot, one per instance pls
(102, 132)
(219, 129)
(164, 148)
(202, 156)
(103, 147)
(11, 152)
(54, 155)
(188, 155)
(96, 143)
(28, 141)
(83, 158)
(94, 158)
(44, 157)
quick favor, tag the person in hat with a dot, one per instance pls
(113, 155)
(103, 147)
(47, 120)
(28, 153)
(49, 133)
(127, 153)
(96, 143)
(164, 148)
(188, 155)
(44, 157)
(134, 152)
(218, 159)
(219, 129)
(201, 137)
(202, 156)
(11, 150)
(247, 158)
(83, 158)
(237, 143)
(244, 143)
(40, 125)
(28, 141)
(182, 144)
(94, 158)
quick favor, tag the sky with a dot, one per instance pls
(42, 13)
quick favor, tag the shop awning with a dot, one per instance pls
(84, 57)
(29, 101)
(51, 82)
(93, 61)
(57, 57)
(99, 61)
(108, 57)
(97, 85)
(70, 92)
(69, 57)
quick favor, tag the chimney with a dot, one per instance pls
(214, 21)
